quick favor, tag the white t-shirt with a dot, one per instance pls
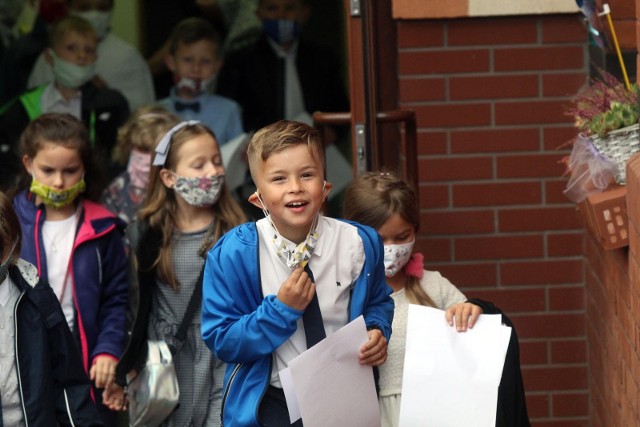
(336, 263)
(58, 237)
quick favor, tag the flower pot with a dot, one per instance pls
(619, 145)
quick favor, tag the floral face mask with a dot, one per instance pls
(199, 191)
(57, 198)
(138, 168)
(396, 257)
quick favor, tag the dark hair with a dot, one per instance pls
(10, 231)
(68, 24)
(69, 132)
(192, 30)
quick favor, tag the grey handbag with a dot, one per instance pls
(153, 394)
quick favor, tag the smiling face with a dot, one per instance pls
(291, 184)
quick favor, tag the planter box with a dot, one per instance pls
(606, 217)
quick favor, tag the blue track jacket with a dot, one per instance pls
(243, 328)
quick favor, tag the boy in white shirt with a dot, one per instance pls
(262, 279)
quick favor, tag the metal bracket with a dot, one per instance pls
(361, 149)
(355, 7)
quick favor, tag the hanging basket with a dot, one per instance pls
(619, 145)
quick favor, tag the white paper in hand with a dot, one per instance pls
(331, 386)
(450, 378)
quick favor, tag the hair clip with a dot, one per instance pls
(162, 150)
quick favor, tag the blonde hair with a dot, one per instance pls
(10, 231)
(371, 199)
(142, 131)
(280, 135)
(70, 24)
(160, 207)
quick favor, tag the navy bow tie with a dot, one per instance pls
(181, 106)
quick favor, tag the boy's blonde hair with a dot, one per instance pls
(160, 206)
(280, 135)
(68, 24)
(143, 131)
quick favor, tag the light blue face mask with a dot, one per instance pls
(4, 267)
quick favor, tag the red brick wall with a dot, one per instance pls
(613, 329)
(489, 96)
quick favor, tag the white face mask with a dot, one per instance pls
(101, 21)
(194, 86)
(69, 74)
(396, 257)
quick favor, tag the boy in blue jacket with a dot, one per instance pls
(263, 280)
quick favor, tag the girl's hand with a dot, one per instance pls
(103, 371)
(297, 291)
(114, 398)
(374, 351)
(465, 314)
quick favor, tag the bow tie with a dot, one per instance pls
(181, 106)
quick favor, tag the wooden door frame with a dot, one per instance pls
(372, 52)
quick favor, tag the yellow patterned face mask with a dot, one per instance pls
(301, 254)
(57, 198)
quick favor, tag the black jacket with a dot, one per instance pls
(53, 386)
(512, 406)
(255, 78)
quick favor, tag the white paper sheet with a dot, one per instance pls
(234, 160)
(331, 387)
(450, 378)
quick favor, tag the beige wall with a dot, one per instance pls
(125, 21)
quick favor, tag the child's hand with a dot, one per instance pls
(465, 314)
(103, 371)
(298, 290)
(374, 351)
(113, 397)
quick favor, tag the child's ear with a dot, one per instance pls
(255, 200)
(170, 62)
(327, 189)
(26, 162)
(167, 178)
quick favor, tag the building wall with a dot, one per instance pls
(490, 94)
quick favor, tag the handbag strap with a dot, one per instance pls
(194, 303)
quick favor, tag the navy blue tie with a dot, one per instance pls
(181, 106)
(312, 317)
